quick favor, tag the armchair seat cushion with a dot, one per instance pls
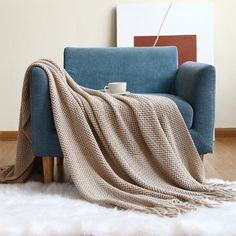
(185, 108)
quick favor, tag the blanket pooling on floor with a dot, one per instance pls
(132, 152)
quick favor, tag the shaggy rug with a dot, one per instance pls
(37, 209)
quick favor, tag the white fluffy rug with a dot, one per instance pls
(37, 209)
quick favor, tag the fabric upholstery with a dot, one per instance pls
(44, 136)
(147, 70)
(196, 84)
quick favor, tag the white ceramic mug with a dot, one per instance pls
(116, 87)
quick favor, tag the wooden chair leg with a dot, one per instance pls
(59, 173)
(202, 157)
(48, 169)
(59, 161)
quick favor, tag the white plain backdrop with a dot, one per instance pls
(33, 29)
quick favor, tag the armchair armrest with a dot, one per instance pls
(195, 82)
(44, 136)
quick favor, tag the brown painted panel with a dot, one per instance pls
(186, 45)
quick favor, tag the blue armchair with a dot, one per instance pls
(148, 71)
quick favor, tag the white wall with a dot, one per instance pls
(33, 29)
(225, 53)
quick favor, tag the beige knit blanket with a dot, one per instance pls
(130, 152)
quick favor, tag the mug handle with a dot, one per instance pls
(106, 88)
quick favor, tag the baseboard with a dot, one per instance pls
(219, 133)
(225, 132)
(8, 135)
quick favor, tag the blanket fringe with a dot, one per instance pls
(217, 194)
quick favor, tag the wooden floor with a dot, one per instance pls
(221, 164)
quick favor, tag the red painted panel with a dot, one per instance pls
(186, 45)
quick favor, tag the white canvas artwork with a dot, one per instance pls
(182, 19)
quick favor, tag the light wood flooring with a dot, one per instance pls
(221, 164)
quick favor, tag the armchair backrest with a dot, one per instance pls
(146, 70)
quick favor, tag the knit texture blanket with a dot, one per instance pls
(130, 152)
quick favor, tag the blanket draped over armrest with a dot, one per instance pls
(133, 152)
